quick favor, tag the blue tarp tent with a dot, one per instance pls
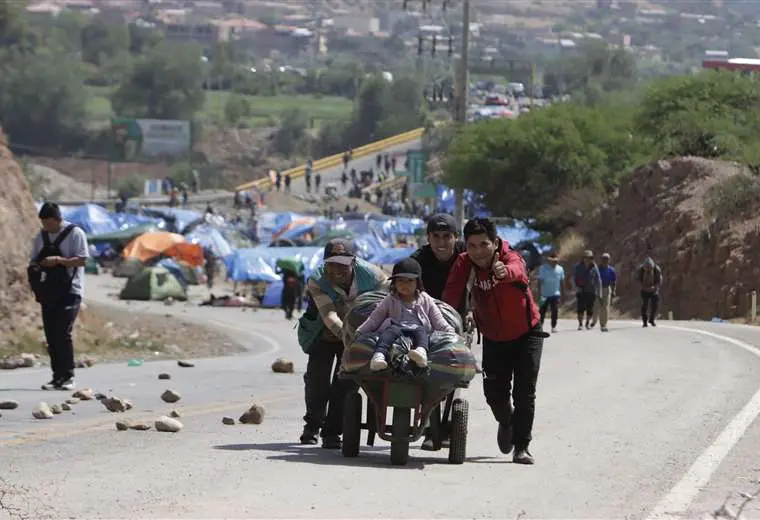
(391, 256)
(401, 226)
(258, 264)
(211, 238)
(131, 220)
(516, 234)
(269, 223)
(93, 219)
(177, 219)
(273, 295)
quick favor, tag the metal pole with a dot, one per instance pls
(460, 117)
(753, 314)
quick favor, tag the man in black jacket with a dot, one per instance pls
(436, 259)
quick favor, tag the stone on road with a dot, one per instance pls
(170, 396)
(8, 405)
(254, 415)
(42, 411)
(167, 424)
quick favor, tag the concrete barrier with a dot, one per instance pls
(335, 160)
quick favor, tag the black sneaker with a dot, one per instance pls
(523, 456)
(308, 436)
(52, 385)
(504, 438)
(331, 442)
(66, 384)
(651, 322)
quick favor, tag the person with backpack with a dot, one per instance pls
(588, 288)
(507, 316)
(56, 275)
(650, 278)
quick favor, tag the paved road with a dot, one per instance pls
(629, 423)
(362, 163)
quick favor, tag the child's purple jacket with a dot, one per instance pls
(390, 309)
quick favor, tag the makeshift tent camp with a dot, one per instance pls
(183, 272)
(177, 219)
(258, 264)
(121, 237)
(153, 283)
(150, 246)
(132, 220)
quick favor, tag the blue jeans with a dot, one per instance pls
(58, 322)
(418, 336)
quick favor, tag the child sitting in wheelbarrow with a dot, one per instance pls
(407, 311)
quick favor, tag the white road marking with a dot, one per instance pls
(680, 497)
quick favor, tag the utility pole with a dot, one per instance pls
(460, 96)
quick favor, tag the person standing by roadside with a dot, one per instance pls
(435, 259)
(332, 288)
(609, 283)
(551, 277)
(650, 277)
(56, 274)
(588, 285)
(508, 319)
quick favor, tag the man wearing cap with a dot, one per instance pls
(436, 259)
(609, 281)
(331, 288)
(588, 288)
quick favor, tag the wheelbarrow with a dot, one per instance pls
(412, 399)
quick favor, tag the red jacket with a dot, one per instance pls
(504, 309)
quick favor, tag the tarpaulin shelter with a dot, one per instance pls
(211, 238)
(132, 220)
(391, 256)
(258, 264)
(153, 283)
(273, 295)
(121, 237)
(177, 219)
(148, 246)
(93, 219)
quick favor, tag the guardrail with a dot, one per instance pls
(396, 180)
(337, 159)
(157, 200)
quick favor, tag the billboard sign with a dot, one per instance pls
(143, 138)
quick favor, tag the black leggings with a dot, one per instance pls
(585, 305)
(649, 301)
(418, 336)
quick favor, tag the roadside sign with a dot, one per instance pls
(423, 190)
(417, 165)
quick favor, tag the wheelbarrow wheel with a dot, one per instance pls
(400, 429)
(352, 424)
(458, 444)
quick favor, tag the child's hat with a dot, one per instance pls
(407, 268)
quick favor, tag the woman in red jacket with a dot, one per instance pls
(508, 319)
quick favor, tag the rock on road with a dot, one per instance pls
(621, 418)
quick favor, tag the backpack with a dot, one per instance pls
(50, 284)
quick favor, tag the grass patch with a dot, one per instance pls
(265, 110)
(734, 197)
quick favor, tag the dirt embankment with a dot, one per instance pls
(697, 218)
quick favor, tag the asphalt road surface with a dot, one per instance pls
(332, 175)
(635, 423)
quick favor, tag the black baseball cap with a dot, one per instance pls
(442, 222)
(407, 268)
(339, 251)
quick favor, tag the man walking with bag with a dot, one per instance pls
(56, 274)
(332, 288)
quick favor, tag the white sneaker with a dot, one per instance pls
(378, 362)
(67, 385)
(418, 356)
(554, 330)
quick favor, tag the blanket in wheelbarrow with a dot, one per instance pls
(450, 361)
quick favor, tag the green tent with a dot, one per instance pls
(153, 283)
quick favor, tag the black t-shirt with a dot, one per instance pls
(435, 273)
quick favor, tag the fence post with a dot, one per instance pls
(670, 315)
(753, 306)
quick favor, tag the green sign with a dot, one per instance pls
(423, 190)
(417, 165)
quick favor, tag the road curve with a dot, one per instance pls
(622, 417)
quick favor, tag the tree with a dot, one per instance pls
(42, 103)
(164, 84)
(593, 67)
(290, 136)
(524, 166)
(711, 114)
(101, 41)
(236, 108)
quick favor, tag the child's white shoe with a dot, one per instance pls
(418, 356)
(378, 362)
